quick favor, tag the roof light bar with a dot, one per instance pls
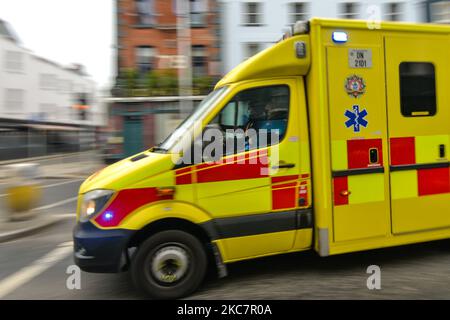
(339, 37)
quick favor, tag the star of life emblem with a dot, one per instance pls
(356, 118)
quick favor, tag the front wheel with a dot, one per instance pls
(169, 265)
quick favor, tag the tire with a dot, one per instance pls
(169, 265)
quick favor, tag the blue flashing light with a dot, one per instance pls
(339, 37)
(108, 216)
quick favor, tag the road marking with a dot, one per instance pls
(45, 158)
(67, 215)
(50, 185)
(56, 204)
(28, 273)
(61, 183)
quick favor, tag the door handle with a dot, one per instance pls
(284, 165)
(442, 151)
(373, 155)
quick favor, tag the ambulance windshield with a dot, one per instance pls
(196, 117)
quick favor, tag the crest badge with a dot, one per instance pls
(355, 86)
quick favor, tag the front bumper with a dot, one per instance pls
(98, 250)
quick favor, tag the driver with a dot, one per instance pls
(256, 113)
(257, 116)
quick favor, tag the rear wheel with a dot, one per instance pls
(169, 265)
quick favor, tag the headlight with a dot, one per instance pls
(93, 202)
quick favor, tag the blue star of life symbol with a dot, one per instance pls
(356, 118)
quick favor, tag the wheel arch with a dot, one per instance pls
(204, 234)
(169, 223)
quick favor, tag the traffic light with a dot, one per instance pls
(82, 105)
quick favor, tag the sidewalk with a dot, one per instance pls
(72, 166)
(78, 165)
(71, 170)
(14, 230)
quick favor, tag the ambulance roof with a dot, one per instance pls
(280, 60)
(382, 25)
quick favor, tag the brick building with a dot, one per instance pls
(147, 38)
(148, 63)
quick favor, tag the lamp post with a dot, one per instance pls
(182, 12)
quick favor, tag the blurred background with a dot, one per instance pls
(85, 83)
(159, 58)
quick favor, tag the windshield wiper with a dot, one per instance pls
(158, 149)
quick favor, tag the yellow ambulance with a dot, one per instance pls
(360, 160)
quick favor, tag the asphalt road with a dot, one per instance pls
(413, 272)
(34, 267)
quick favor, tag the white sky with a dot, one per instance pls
(66, 31)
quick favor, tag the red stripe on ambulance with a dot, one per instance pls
(251, 166)
(402, 151)
(284, 178)
(126, 202)
(340, 184)
(183, 176)
(284, 198)
(358, 152)
(433, 181)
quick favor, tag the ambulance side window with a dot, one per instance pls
(228, 115)
(417, 89)
(254, 118)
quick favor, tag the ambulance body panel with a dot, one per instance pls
(403, 197)
(362, 162)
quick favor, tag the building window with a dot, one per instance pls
(417, 89)
(14, 100)
(440, 12)
(48, 82)
(145, 59)
(298, 11)
(198, 13)
(146, 12)
(250, 49)
(14, 61)
(66, 86)
(199, 61)
(394, 11)
(253, 13)
(348, 10)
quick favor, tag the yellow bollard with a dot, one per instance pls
(23, 192)
(23, 198)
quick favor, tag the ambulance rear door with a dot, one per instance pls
(418, 108)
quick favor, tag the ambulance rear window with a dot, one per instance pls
(417, 89)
